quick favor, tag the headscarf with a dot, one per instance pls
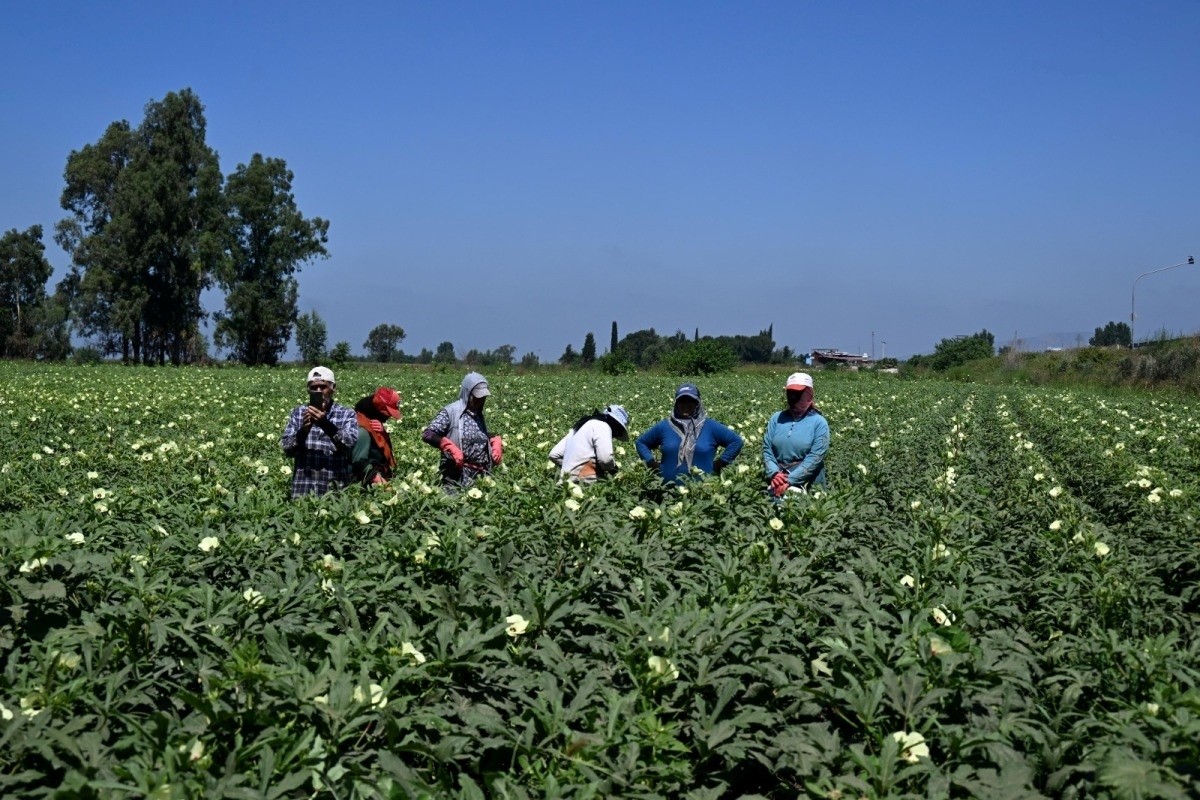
(802, 406)
(689, 431)
(459, 407)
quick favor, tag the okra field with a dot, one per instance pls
(995, 596)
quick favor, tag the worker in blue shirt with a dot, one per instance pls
(688, 440)
(796, 440)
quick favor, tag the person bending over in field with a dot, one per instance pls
(796, 440)
(688, 440)
(372, 458)
(460, 432)
(319, 437)
(585, 454)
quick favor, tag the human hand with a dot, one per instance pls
(497, 445)
(451, 450)
(374, 426)
(779, 483)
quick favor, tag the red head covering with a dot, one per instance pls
(387, 402)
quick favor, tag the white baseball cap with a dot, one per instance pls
(321, 374)
(799, 381)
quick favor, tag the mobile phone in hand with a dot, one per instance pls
(316, 399)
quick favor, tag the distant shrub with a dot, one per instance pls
(87, 355)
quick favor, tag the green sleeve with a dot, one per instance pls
(362, 448)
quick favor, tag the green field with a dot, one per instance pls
(997, 596)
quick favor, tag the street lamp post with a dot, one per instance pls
(1133, 294)
(883, 353)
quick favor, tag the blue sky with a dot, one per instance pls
(524, 173)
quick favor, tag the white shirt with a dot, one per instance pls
(586, 453)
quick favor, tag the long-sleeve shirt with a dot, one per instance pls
(663, 436)
(796, 446)
(322, 460)
(475, 446)
(587, 453)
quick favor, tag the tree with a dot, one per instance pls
(146, 232)
(961, 349)
(1114, 333)
(444, 354)
(530, 360)
(382, 342)
(24, 271)
(612, 341)
(502, 354)
(311, 337)
(589, 350)
(703, 357)
(340, 354)
(569, 356)
(268, 240)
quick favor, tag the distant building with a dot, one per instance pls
(827, 356)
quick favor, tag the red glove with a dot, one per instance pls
(374, 426)
(451, 450)
(377, 479)
(779, 483)
(497, 450)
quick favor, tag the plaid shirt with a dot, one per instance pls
(322, 463)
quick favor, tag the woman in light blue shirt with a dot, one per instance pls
(796, 440)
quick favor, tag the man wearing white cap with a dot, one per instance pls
(796, 440)
(319, 437)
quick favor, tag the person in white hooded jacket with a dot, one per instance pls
(585, 454)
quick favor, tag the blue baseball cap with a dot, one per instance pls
(688, 390)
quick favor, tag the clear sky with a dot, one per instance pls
(526, 172)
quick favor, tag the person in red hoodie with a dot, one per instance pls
(373, 459)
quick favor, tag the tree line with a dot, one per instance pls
(152, 223)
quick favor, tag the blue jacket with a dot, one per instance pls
(664, 437)
(798, 447)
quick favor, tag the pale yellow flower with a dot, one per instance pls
(939, 646)
(253, 597)
(76, 538)
(908, 581)
(637, 512)
(662, 666)
(1056, 525)
(912, 746)
(1101, 549)
(942, 616)
(33, 565)
(1056, 491)
(516, 625)
(378, 700)
(474, 493)
(776, 524)
(410, 650)
(209, 543)
(362, 517)
(572, 504)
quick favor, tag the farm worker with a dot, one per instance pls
(585, 454)
(319, 437)
(688, 440)
(460, 432)
(796, 440)
(372, 458)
